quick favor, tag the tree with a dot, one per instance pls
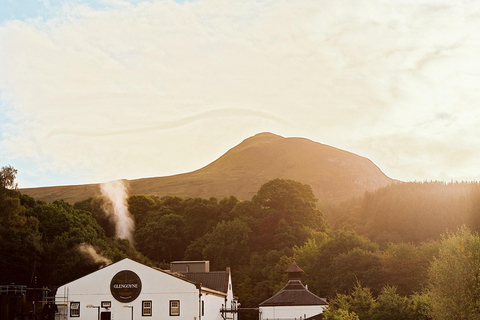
(139, 206)
(161, 236)
(7, 178)
(228, 244)
(333, 260)
(359, 302)
(96, 206)
(201, 216)
(454, 286)
(20, 246)
(356, 265)
(405, 265)
(290, 200)
(282, 206)
(339, 314)
(390, 305)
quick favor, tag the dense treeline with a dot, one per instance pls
(452, 290)
(47, 244)
(381, 254)
(409, 212)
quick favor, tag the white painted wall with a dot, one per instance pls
(213, 305)
(290, 312)
(157, 286)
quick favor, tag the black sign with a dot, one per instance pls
(126, 286)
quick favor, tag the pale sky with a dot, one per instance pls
(93, 91)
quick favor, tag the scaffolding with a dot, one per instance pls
(13, 289)
(61, 301)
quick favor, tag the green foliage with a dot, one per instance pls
(7, 179)
(285, 211)
(97, 207)
(390, 305)
(289, 200)
(228, 244)
(50, 244)
(454, 288)
(258, 238)
(356, 265)
(410, 212)
(201, 216)
(162, 237)
(258, 280)
(361, 303)
(405, 265)
(339, 314)
(334, 261)
(140, 206)
(19, 233)
(420, 306)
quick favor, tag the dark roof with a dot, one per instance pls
(294, 268)
(294, 294)
(216, 280)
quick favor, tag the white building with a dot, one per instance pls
(293, 301)
(128, 290)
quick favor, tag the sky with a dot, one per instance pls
(98, 90)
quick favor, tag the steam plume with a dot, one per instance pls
(90, 251)
(116, 192)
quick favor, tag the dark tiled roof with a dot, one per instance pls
(216, 280)
(294, 294)
(294, 268)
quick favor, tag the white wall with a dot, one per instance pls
(290, 312)
(213, 305)
(157, 286)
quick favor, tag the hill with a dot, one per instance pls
(332, 173)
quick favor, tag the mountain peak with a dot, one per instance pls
(333, 174)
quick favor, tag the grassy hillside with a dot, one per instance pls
(334, 174)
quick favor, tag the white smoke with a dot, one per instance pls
(116, 192)
(90, 251)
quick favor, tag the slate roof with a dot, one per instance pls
(294, 268)
(216, 280)
(294, 294)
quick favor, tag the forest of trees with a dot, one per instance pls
(386, 253)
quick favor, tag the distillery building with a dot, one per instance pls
(294, 301)
(128, 290)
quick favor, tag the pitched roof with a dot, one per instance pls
(294, 268)
(294, 294)
(216, 280)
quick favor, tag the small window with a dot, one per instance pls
(203, 308)
(147, 308)
(174, 307)
(74, 309)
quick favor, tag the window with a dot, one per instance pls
(174, 307)
(74, 309)
(203, 308)
(147, 308)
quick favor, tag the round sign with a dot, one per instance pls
(126, 286)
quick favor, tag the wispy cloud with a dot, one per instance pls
(181, 122)
(149, 88)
